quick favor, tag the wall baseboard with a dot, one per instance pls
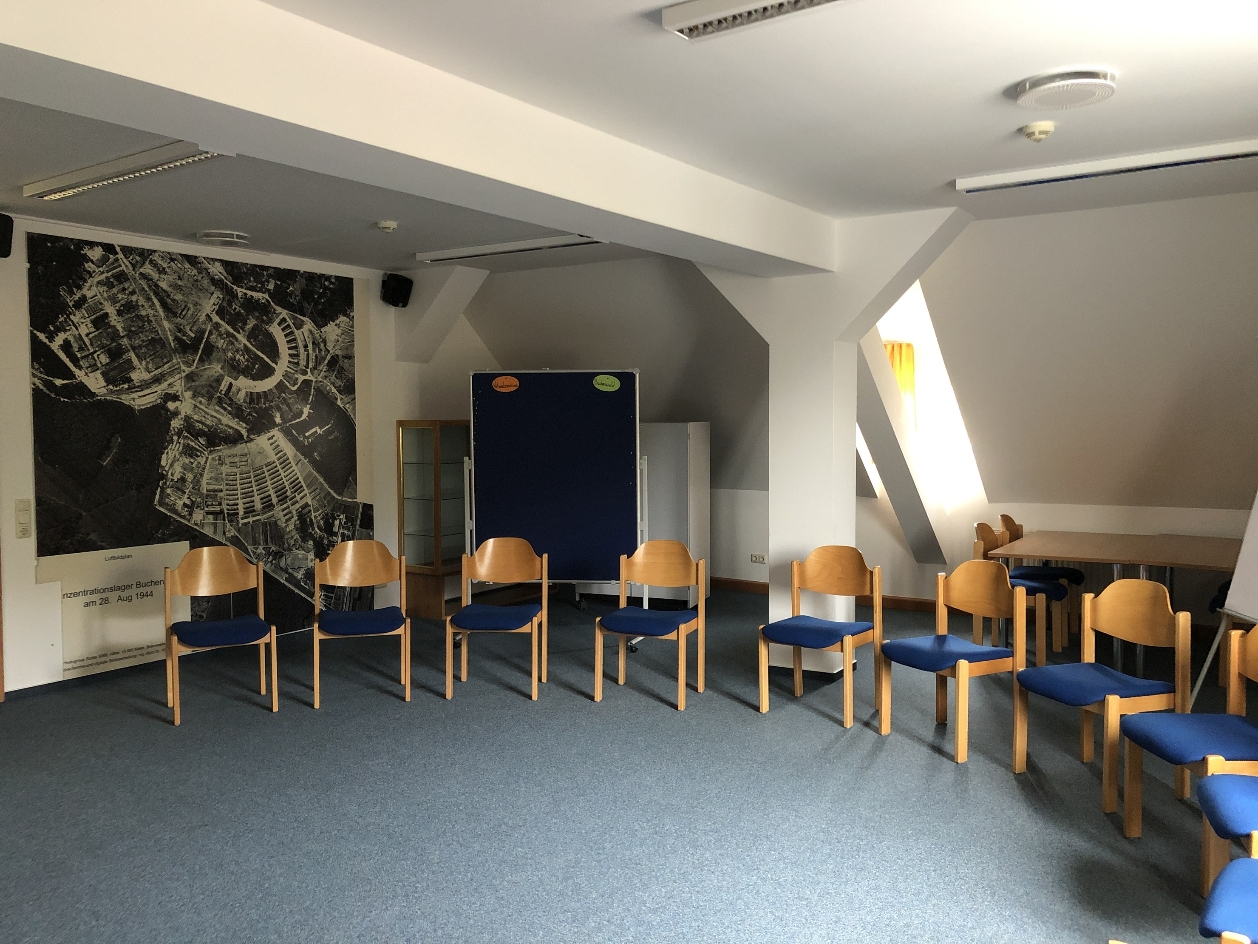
(743, 586)
(916, 604)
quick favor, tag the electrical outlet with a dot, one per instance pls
(757, 559)
(22, 512)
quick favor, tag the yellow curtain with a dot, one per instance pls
(900, 354)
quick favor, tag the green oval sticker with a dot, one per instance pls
(607, 382)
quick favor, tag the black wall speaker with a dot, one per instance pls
(395, 290)
(6, 236)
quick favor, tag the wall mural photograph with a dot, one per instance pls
(184, 398)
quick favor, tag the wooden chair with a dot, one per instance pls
(838, 571)
(1186, 740)
(982, 589)
(500, 560)
(213, 572)
(1071, 577)
(1136, 611)
(1228, 797)
(656, 564)
(362, 564)
(987, 540)
(1231, 910)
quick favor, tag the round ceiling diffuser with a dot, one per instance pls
(1066, 90)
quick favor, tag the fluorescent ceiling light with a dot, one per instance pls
(1110, 167)
(504, 249)
(699, 19)
(132, 167)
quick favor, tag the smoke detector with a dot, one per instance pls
(386, 226)
(1037, 131)
(1063, 90)
(223, 237)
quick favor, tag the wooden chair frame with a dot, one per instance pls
(213, 572)
(984, 598)
(1216, 851)
(362, 563)
(1242, 665)
(502, 560)
(842, 572)
(659, 564)
(986, 540)
(1126, 615)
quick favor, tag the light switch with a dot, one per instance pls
(22, 511)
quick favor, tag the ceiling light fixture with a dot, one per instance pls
(1063, 90)
(504, 249)
(132, 167)
(1110, 167)
(223, 237)
(700, 19)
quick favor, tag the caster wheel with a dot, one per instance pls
(631, 648)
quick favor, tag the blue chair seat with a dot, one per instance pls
(1233, 901)
(1051, 589)
(1030, 572)
(1085, 683)
(936, 653)
(361, 622)
(1187, 739)
(811, 632)
(635, 621)
(229, 632)
(1230, 803)
(482, 617)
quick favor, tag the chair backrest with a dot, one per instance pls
(1242, 664)
(503, 560)
(981, 588)
(833, 569)
(1140, 611)
(660, 564)
(362, 563)
(986, 540)
(212, 572)
(1013, 530)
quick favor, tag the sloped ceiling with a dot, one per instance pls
(700, 361)
(1110, 356)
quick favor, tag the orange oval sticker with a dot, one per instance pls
(505, 383)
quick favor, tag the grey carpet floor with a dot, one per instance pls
(493, 818)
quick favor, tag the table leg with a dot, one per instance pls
(1118, 643)
(1144, 575)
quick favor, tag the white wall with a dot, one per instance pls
(740, 528)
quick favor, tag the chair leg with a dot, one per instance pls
(1183, 783)
(406, 658)
(449, 661)
(797, 663)
(598, 662)
(533, 644)
(262, 668)
(545, 651)
(941, 699)
(883, 668)
(1216, 852)
(174, 681)
(466, 638)
(877, 687)
(316, 668)
(401, 658)
(275, 671)
(1041, 632)
(1109, 757)
(170, 692)
(1133, 785)
(961, 730)
(1087, 735)
(848, 666)
(701, 658)
(1019, 726)
(977, 635)
(622, 655)
(763, 651)
(681, 671)
(1059, 625)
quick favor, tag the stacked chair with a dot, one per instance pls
(1070, 577)
(837, 571)
(987, 540)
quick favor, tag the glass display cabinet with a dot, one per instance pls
(431, 508)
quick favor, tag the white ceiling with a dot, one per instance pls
(861, 106)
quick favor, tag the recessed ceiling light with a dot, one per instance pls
(1066, 89)
(222, 237)
(699, 19)
(132, 167)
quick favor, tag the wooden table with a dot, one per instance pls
(1146, 550)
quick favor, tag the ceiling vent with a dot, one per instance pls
(1063, 90)
(132, 167)
(506, 249)
(700, 19)
(223, 237)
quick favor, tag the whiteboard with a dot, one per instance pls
(1242, 598)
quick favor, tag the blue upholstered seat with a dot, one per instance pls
(635, 621)
(1187, 739)
(229, 632)
(1085, 683)
(811, 632)
(1230, 803)
(1029, 572)
(482, 617)
(1233, 901)
(361, 622)
(936, 653)
(1051, 588)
